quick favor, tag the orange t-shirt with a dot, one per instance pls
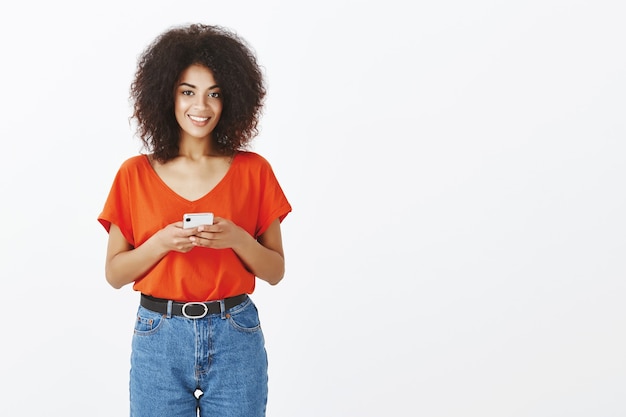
(140, 204)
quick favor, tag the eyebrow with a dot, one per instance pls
(193, 86)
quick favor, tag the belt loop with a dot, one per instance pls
(169, 309)
(222, 308)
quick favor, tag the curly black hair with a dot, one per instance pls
(235, 68)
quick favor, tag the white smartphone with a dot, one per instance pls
(191, 220)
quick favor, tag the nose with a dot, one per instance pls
(201, 101)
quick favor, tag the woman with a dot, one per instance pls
(197, 344)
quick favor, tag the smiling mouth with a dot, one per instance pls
(198, 119)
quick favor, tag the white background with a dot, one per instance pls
(457, 173)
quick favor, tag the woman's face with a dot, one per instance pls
(197, 102)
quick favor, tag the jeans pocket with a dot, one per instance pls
(245, 319)
(147, 321)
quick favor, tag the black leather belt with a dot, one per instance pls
(191, 310)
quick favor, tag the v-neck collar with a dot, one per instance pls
(159, 180)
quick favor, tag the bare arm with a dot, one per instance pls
(263, 257)
(125, 264)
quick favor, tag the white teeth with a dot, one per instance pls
(198, 119)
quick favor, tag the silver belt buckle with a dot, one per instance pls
(184, 309)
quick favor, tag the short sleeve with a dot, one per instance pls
(117, 206)
(274, 204)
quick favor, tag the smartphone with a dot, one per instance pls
(191, 220)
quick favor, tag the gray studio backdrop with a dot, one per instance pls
(457, 175)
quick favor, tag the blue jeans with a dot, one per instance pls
(216, 364)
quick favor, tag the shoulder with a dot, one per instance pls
(251, 159)
(133, 167)
(135, 163)
(255, 166)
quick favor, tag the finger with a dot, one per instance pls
(209, 229)
(220, 221)
(186, 232)
(184, 246)
(195, 241)
(200, 240)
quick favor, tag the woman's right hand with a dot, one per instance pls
(125, 264)
(174, 237)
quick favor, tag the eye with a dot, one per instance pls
(215, 94)
(187, 93)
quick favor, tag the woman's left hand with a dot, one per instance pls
(222, 234)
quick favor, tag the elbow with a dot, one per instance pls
(272, 272)
(272, 277)
(276, 278)
(113, 280)
(113, 283)
(275, 281)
